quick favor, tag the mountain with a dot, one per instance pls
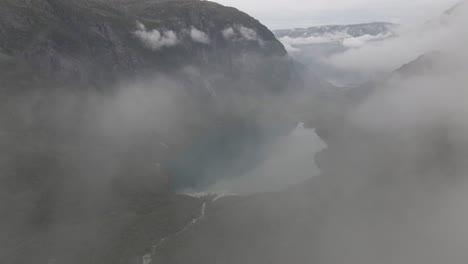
(422, 65)
(356, 30)
(108, 107)
(95, 41)
(213, 57)
(315, 45)
(456, 8)
(347, 36)
(99, 100)
(392, 188)
(440, 60)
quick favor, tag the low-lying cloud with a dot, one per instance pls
(155, 39)
(360, 41)
(248, 33)
(391, 54)
(402, 158)
(241, 33)
(199, 36)
(228, 33)
(348, 41)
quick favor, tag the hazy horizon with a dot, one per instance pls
(301, 13)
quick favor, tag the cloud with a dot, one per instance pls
(360, 41)
(248, 33)
(295, 44)
(289, 47)
(154, 39)
(348, 41)
(239, 33)
(406, 144)
(199, 36)
(320, 39)
(409, 44)
(228, 33)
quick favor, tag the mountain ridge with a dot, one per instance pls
(354, 30)
(81, 40)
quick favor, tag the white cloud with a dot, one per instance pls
(229, 33)
(325, 38)
(290, 48)
(392, 53)
(199, 36)
(360, 41)
(348, 41)
(238, 32)
(248, 33)
(154, 39)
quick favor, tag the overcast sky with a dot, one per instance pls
(303, 13)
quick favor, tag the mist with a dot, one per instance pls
(402, 154)
(92, 151)
(391, 180)
(444, 33)
(211, 144)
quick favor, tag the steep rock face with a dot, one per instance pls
(224, 60)
(95, 41)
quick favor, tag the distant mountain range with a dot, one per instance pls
(355, 30)
(313, 46)
(346, 35)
